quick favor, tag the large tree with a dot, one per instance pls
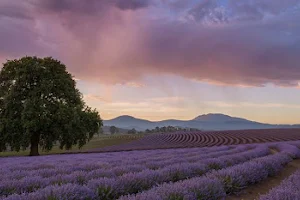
(40, 105)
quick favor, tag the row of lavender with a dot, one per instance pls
(228, 170)
(111, 166)
(30, 178)
(218, 183)
(206, 138)
(289, 189)
(104, 160)
(115, 156)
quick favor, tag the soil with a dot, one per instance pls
(273, 151)
(253, 192)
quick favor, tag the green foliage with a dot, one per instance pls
(132, 131)
(100, 132)
(113, 130)
(169, 129)
(176, 196)
(40, 105)
(105, 192)
(231, 186)
(215, 166)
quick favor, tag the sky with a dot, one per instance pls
(167, 59)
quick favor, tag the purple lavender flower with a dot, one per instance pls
(289, 189)
(289, 149)
(55, 192)
(195, 173)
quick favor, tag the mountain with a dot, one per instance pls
(219, 118)
(129, 122)
(211, 121)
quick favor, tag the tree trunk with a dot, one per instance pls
(34, 147)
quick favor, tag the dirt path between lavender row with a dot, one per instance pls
(253, 192)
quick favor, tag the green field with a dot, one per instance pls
(97, 142)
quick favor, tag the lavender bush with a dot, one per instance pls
(194, 173)
(231, 179)
(136, 182)
(78, 174)
(289, 189)
(56, 192)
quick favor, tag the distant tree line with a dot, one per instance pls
(168, 129)
(164, 129)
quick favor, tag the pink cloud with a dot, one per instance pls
(115, 42)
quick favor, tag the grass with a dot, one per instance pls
(97, 142)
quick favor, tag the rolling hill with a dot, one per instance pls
(212, 121)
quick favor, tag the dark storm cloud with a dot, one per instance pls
(258, 9)
(247, 55)
(203, 9)
(132, 4)
(90, 7)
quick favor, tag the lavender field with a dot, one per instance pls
(183, 139)
(182, 173)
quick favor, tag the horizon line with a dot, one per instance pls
(141, 118)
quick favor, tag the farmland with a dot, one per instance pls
(183, 165)
(100, 141)
(205, 139)
(182, 173)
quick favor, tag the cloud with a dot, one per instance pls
(89, 7)
(170, 99)
(96, 98)
(142, 109)
(257, 9)
(132, 4)
(212, 11)
(134, 84)
(208, 11)
(251, 105)
(76, 79)
(121, 42)
(15, 9)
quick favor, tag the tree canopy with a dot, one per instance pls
(132, 131)
(113, 130)
(40, 105)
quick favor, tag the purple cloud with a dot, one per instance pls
(239, 43)
(132, 4)
(89, 7)
(14, 9)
